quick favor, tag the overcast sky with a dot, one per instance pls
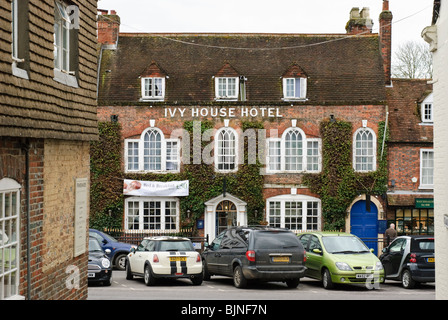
(262, 16)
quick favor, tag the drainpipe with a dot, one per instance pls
(26, 148)
(385, 130)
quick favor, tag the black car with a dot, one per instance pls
(255, 253)
(410, 259)
(99, 268)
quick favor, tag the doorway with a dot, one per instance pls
(226, 214)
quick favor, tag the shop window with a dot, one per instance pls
(414, 221)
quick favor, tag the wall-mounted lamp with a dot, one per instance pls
(114, 118)
(332, 119)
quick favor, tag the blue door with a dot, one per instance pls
(364, 224)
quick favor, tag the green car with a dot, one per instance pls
(338, 257)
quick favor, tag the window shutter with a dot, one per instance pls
(303, 82)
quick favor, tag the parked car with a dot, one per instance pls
(255, 253)
(410, 259)
(337, 257)
(118, 250)
(99, 268)
(164, 257)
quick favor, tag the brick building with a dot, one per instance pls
(47, 120)
(284, 85)
(410, 197)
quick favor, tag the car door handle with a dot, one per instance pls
(217, 254)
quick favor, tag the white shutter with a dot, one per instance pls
(303, 82)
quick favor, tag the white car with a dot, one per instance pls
(164, 257)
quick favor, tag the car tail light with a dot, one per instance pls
(198, 259)
(250, 255)
(413, 258)
(155, 258)
(304, 256)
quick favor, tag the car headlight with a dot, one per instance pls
(343, 266)
(105, 263)
(378, 265)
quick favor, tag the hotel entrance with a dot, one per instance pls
(225, 216)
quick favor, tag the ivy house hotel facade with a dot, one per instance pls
(213, 130)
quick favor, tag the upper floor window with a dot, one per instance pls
(152, 153)
(294, 88)
(226, 149)
(427, 110)
(226, 88)
(65, 44)
(364, 155)
(20, 42)
(293, 152)
(153, 88)
(426, 168)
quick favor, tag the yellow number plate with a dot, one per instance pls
(280, 259)
(430, 259)
(178, 258)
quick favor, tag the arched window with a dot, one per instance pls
(293, 150)
(364, 150)
(225, 149)
(152, 152)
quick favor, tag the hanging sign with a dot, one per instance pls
(156, 188)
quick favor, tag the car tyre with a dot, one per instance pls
(239, 280)
(197, 280)
(293, 283)
(120, 261)
(407, 281)
(326, 279)
(129, 275)
(206, 274)
(147, 276)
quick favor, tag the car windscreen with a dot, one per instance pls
(175, 245)
(275, 240)
(425, 244)
(344, 244)
(94, 245)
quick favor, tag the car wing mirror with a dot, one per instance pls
(132, 250)
(318, 251)
(107, 251)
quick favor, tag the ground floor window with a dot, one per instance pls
(161, 214)
(9, 241)
(295, 212)
(414, 221)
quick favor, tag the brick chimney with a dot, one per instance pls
(385, 36)
(108, 28)
(359, 22)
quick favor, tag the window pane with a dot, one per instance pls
(293, 151)
(226, 145)
(364, 151)
(275, 214)
(274, 155)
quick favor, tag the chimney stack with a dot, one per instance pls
(108, 28)
(385, 37)
(359, 22)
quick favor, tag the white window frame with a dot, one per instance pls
(61, 27)
(139, 213)
(9, 218)
(153, 96)
(173, 159)
(16, 59)
(372, 157)
(219, 154)
(223, 94)
(423, 167)
(276, 208)
(428, 103)
(281, 166)
(290, 86)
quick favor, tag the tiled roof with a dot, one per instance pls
(404, 98)
(340, 69)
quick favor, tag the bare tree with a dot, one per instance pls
(412, 60)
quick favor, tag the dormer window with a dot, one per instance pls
(226, 88)
(153, 88)
(294, 83)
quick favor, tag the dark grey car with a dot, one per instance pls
(255, 253)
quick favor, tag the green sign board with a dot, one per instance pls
(424, 203)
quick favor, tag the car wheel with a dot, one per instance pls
(108, 282)
(326, 279)
(129, 275)
(406, 280)
(238, 278)
(293, 283)
(206, 274)
(149, 279)
(197, 280)
(120, 261)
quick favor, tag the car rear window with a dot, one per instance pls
(175, 245)
(274, 240)
(423, 245)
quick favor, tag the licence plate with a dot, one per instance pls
(430, 259)
(363, 275)
(280, 259)
(90, 275)
(178, 258)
